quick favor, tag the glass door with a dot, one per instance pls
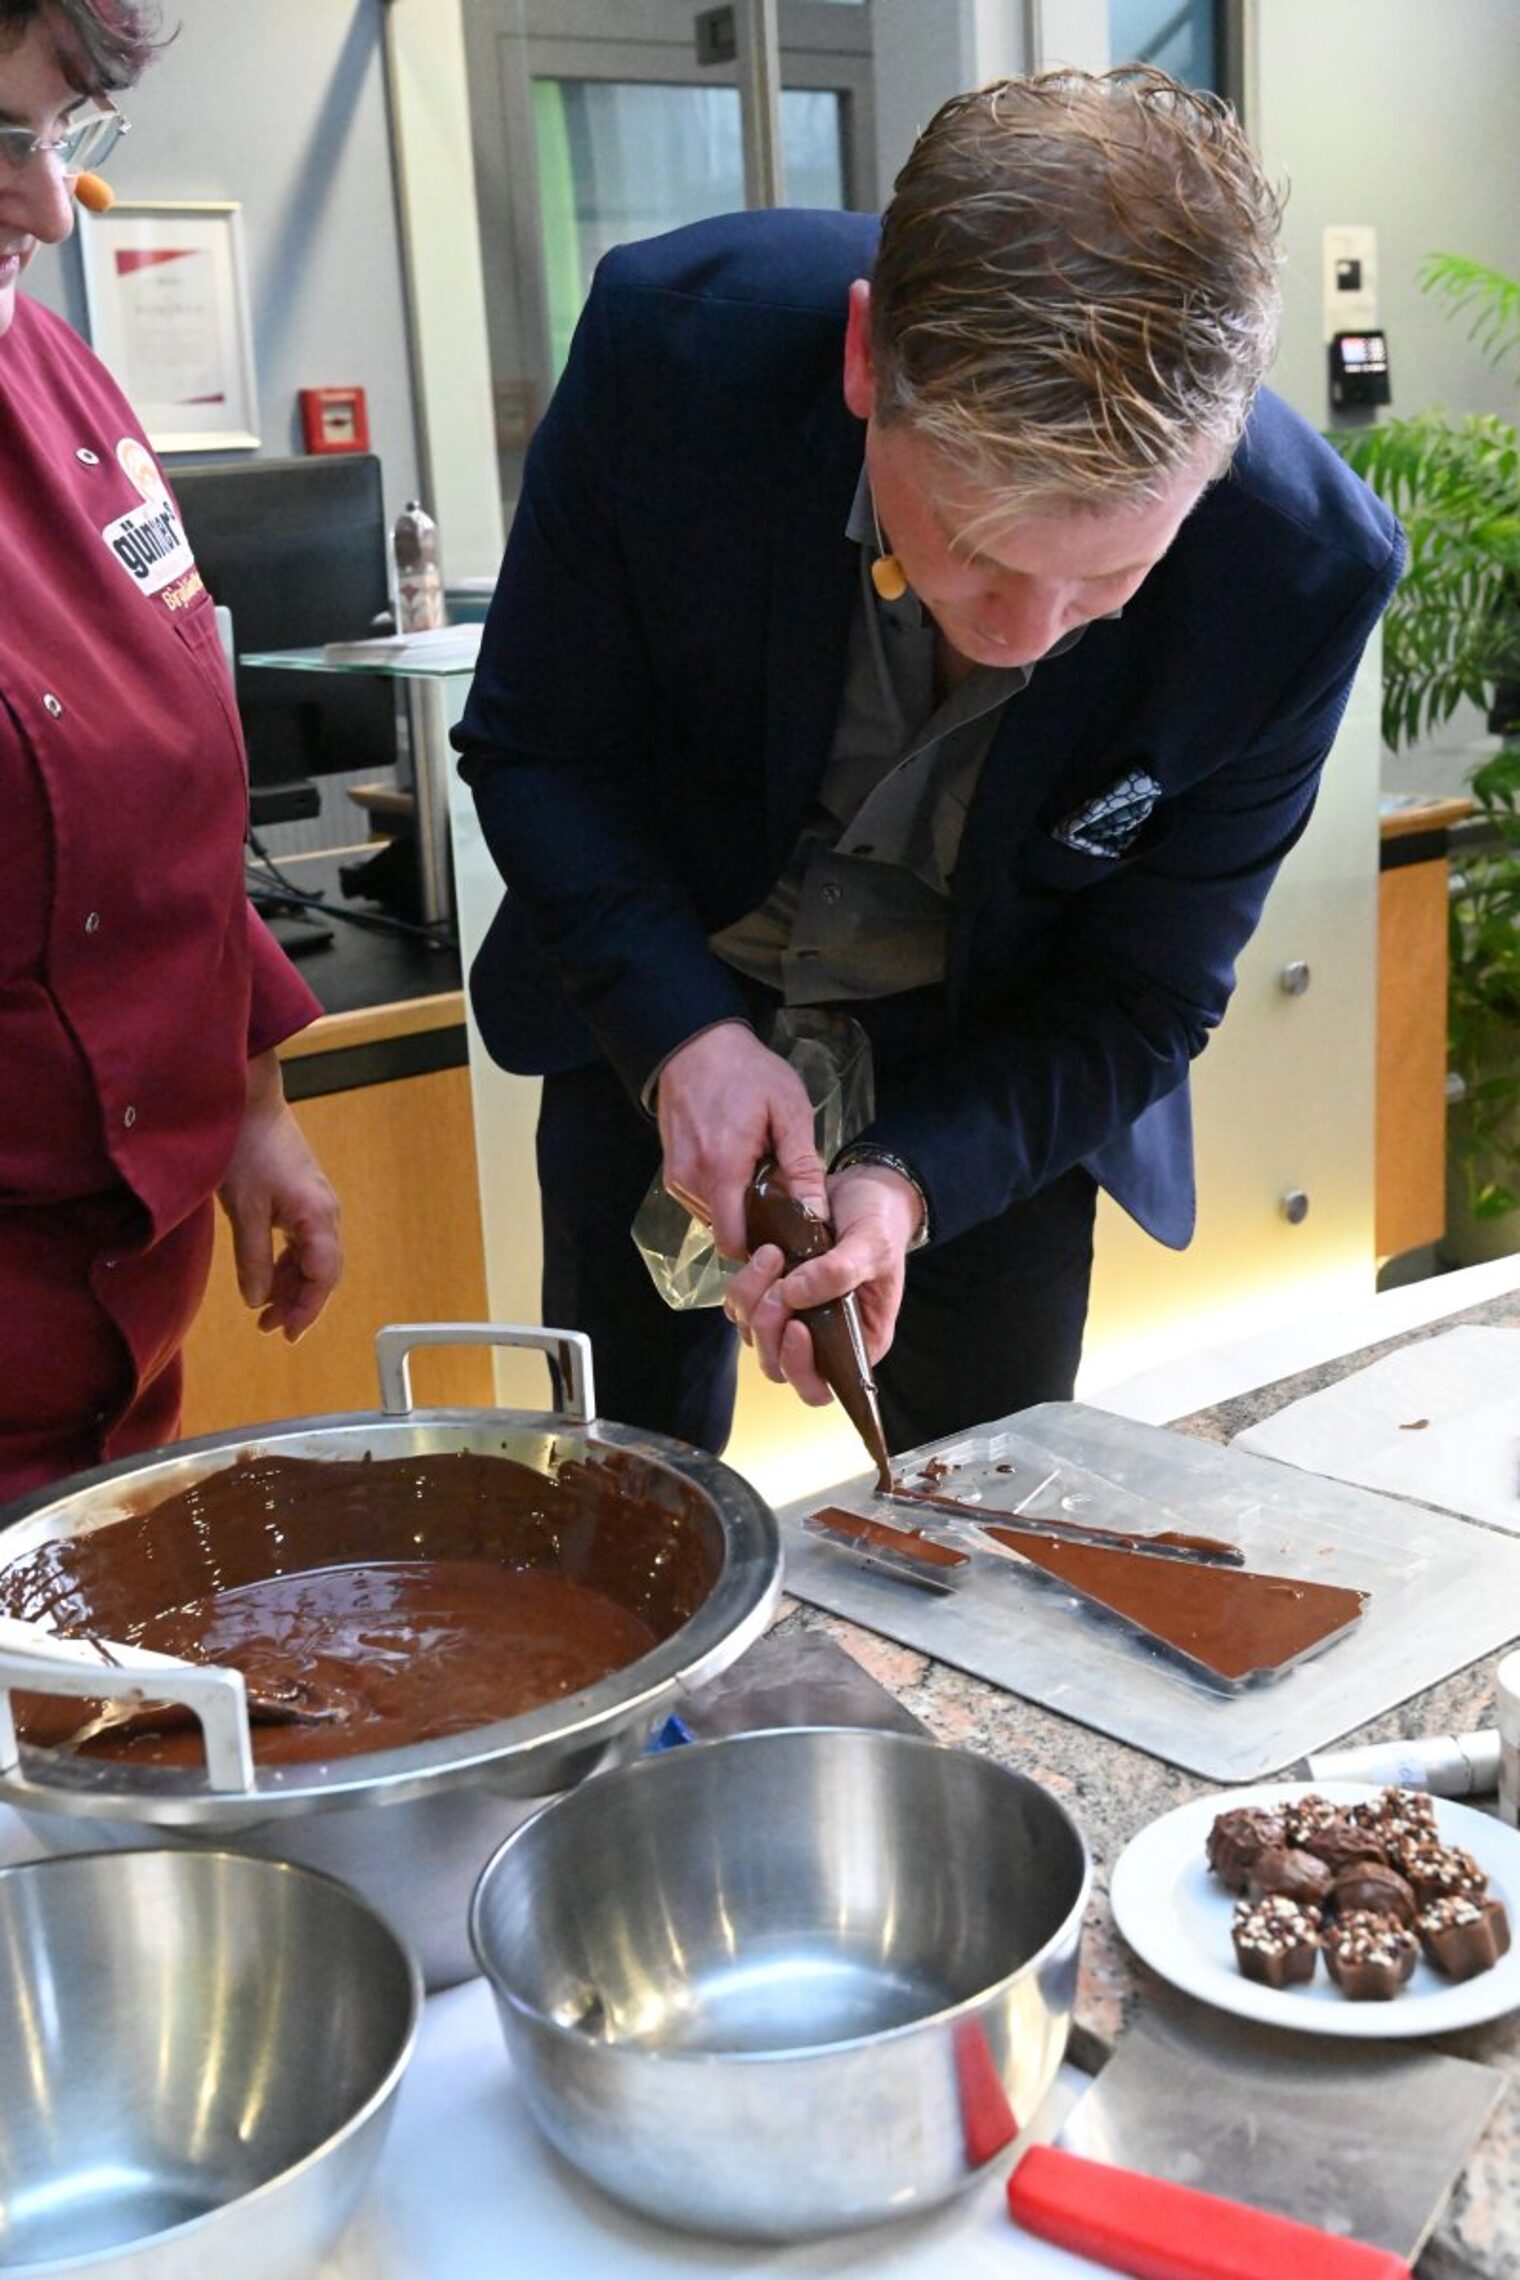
(594, 124)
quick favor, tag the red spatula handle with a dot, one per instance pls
(1159, 2231)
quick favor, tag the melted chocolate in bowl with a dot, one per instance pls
(416, 1597)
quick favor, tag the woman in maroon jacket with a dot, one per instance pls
(140, 999)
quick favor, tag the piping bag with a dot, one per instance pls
(772, 1215)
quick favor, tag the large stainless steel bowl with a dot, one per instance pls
(410, 1828)
(787, 1983)
(199, 2054)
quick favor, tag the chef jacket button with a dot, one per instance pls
(86, 457)
(129, 1117)
(92, 923)
(50, 704)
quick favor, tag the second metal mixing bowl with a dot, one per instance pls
(199, 2055)
(787, 1983)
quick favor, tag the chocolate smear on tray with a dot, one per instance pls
(1175, 1541)
(876, 1535)
(1233, 1621)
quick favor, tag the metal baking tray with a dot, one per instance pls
(1443, 1591)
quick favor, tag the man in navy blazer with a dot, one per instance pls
(975, 699)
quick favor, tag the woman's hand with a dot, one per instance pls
(275, 1184)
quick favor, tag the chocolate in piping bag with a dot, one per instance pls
(772, 1215)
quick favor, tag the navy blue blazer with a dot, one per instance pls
(656, 699)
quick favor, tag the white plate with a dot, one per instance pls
(1176, 1917)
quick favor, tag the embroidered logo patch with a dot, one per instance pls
(148, 541)
(1110, 824)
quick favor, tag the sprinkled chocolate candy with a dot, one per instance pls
(1304, 1817)
(1369, 1957)
(1404, 1817)
(1371, 1885)
(1276, 1941)
(1237, 1839)
(1440, 1872)
(1296, 1875)
(1463, 1936)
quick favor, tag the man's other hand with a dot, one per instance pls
(726, 1103)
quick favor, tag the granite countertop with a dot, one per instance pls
(1114, 1790)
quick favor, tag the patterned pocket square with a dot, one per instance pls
(1110, 824)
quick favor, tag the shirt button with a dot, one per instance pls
(86, 457)
(50, 704)
(129, 1117)
(92, 923)
(832, 891)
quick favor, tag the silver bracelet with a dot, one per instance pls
(867, 1152)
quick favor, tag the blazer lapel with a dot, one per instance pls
(813, 573)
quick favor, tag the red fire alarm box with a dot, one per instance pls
(335, 419)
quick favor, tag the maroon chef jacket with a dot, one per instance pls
(135, 981)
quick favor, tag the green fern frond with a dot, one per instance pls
(1487, 296)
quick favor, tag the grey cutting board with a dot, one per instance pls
(1365, 2141)
(1444, 1591)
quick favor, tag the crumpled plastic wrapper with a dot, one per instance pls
(831, 1053)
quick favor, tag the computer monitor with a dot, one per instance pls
(297, 550)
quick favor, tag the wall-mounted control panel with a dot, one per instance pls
(1356, 345)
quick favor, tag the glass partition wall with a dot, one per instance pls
(594, 123)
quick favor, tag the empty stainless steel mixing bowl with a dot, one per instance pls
(199, 2053)
(791, 1982)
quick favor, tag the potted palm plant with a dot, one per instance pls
(1453, 634)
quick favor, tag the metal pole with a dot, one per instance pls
(759, 64)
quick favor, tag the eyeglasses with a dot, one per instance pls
(83, 142)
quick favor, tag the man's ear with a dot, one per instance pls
(859, 370)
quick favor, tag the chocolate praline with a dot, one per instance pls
(1276, 1941)
(1238, 1838)
(1462, 1936)
(1438, 1872)
(1297, 1875)
(1369, 1957)
(1373, 1886)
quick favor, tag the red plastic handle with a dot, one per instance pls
(1159, 2231)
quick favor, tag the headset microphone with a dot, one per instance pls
(889, 578)
(887, 573)
(94, 193)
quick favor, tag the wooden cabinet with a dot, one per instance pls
(1413, 903)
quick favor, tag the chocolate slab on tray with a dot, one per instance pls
(1377, 1598)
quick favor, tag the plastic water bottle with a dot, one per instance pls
(419, 575)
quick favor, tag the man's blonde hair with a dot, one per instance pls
(1076, 294)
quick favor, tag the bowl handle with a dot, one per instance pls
(568, 1353)
(34, 1661)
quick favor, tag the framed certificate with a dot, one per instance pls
(167, 297)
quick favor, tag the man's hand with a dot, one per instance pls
(876, 1214)
(274, 1182)
(725, 1104)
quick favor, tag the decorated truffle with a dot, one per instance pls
(1463, 1936)
(1276, 1941)
(1439, 1872)
(1296, 1875)
(1371, 1885)
(1237, 1839)
(1401, 1818)
(1304, 1817)
(1369, 1957)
